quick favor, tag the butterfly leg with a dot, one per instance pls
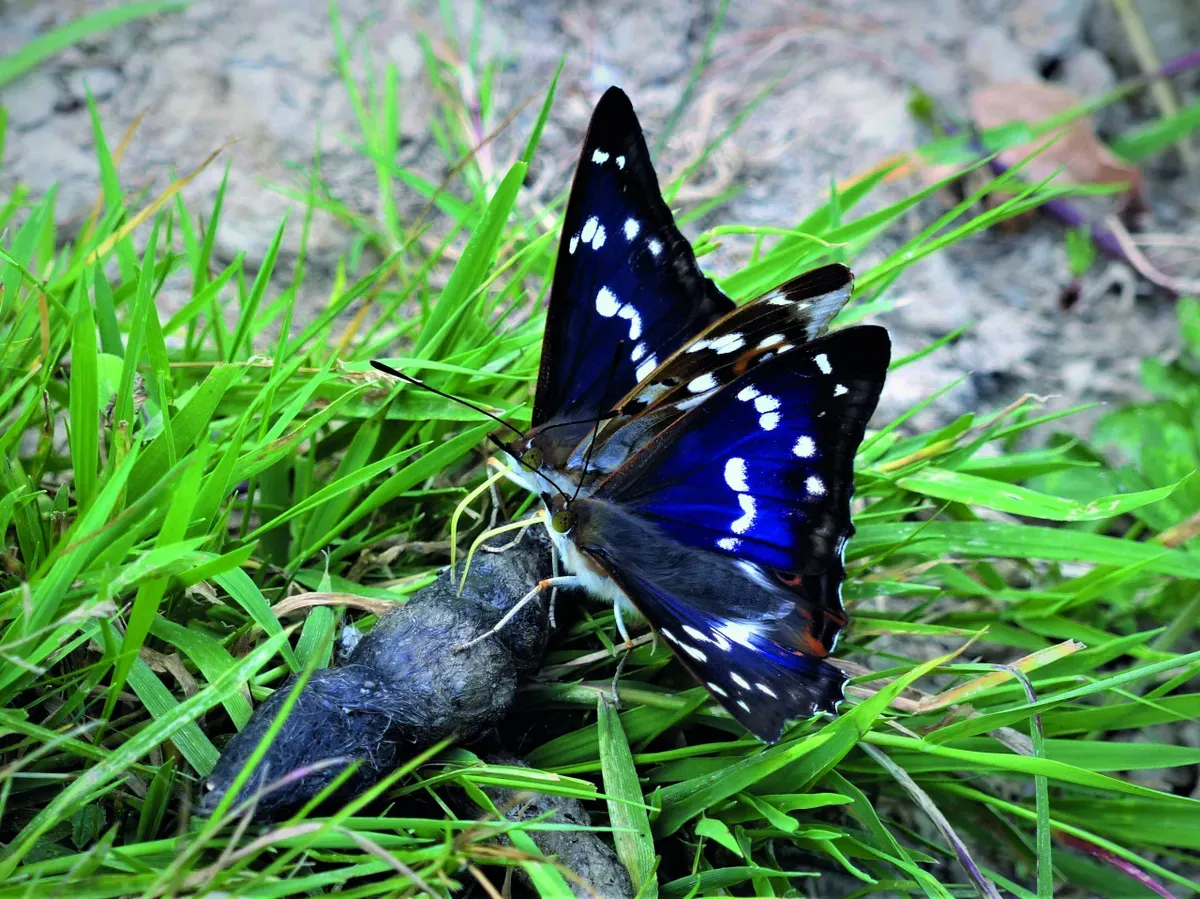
(553, 590)
(621, 625)
(548, 583)
(616, 697)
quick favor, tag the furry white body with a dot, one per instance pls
(596, 583)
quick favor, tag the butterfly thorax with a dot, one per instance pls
(554, 457)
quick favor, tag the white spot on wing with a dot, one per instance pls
(655, 246)
(632, 227)
(805, 447)
(747, 393)
(607, 303)
(706, 381)
(823, 363)
(763, 688)
(739, 680)
(589, 229)
(684, 405)
(840, 389)
(574, 245)
(766, 403)
(770, 340)
(728, 343)
(742, 704)
(646, 367)
(737, 632)
(638, 352)
(694, 652)
(814, 485)
(598, 240)
(635, 320)
(716, 689)
(735, 474)
(599, 156)
(697, 634)
(670, 636)
(729, 544)
(749, 511)
(620, 162)
(698, 345)
(769, 422)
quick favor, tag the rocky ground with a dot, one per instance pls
(263, 72)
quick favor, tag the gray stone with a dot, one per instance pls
(994, 56)
(1049, 28)
(1089, 74)
(102, 81)
(31, 100)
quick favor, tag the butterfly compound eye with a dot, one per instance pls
(532, 458)
(563, 521)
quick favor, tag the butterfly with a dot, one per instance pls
(627, 296)
(696, 457)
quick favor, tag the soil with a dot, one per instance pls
(263, 73)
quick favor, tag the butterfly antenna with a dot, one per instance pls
(583, 421)
(395, 373)
(388, 370)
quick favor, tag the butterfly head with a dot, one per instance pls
(564, 520)
(533, 463)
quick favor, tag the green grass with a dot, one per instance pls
(1012, 605)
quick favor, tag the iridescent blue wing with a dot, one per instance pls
(627, 291)
(763, 469)
(757, 645)
(792, 314)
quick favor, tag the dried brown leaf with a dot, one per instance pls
(1082, 156)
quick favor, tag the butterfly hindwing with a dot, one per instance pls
(627, 291)
(762, 470)
(752, 642)
(793, 313)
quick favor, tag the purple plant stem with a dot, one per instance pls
(1127, 868)
(1179, 64)
(1066, 211)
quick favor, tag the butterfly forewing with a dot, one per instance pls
(762, 470)
(627, 291)
(790, 315)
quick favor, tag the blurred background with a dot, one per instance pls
(819, 92)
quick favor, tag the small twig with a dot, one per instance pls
(593, 657)
(482, 880)
(1182, 532)
(1145, 268)
(985, 887)
(1167, 240)
(372, 848)
(345, 600)
(1143, 49)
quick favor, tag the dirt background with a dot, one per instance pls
(264, 72)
